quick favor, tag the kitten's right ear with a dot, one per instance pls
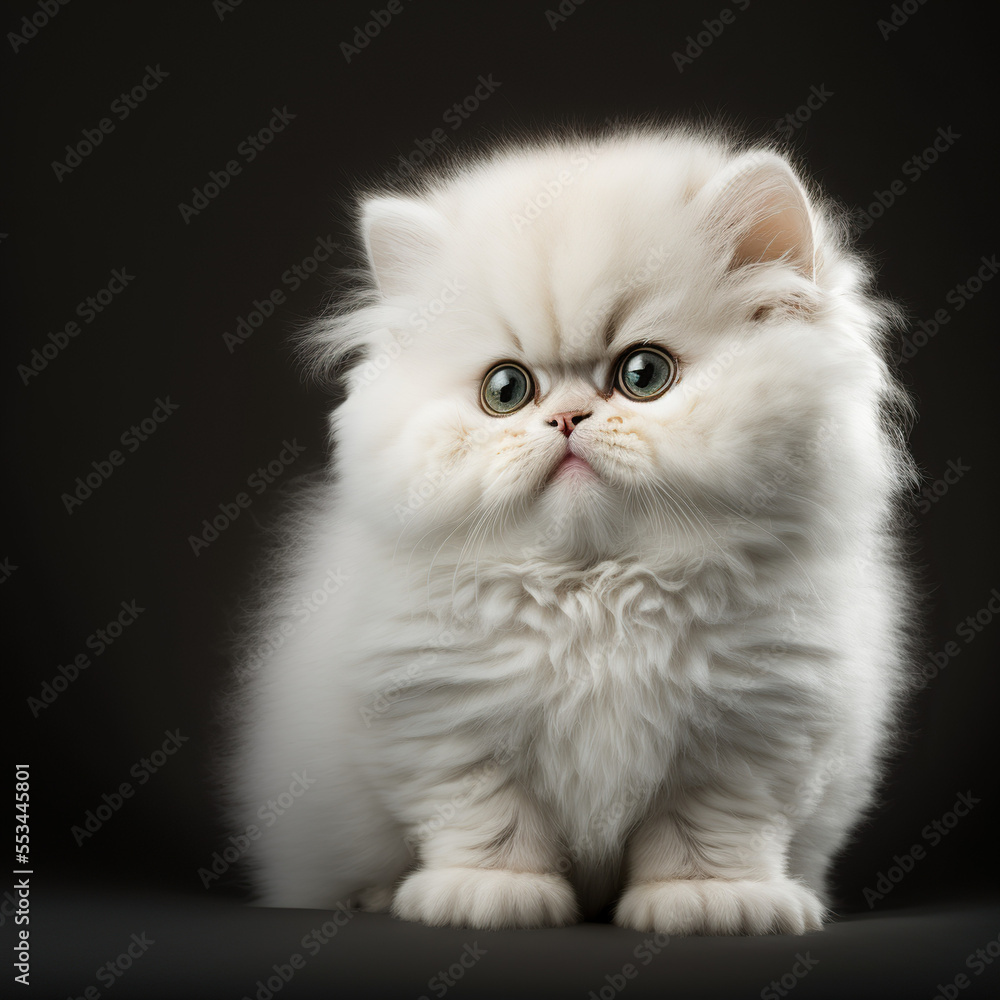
(401, 236)
(761, 211)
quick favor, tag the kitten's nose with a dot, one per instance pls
(566, 422)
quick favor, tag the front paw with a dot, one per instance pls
(485, 898)
(718, 906)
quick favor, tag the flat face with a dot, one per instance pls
(569, 353)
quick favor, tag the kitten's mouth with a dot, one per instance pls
(573, 466)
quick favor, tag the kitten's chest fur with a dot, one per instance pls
(597, 680)
(600, 748)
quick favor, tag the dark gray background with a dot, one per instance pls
(162, 337)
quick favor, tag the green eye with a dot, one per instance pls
(645, 373)
(506, 388)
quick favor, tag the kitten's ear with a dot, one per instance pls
(763, 212)
(401, 237)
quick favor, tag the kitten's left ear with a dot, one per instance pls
(402, 236)
(762, 211)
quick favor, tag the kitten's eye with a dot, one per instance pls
(506, 388)
(645, 373)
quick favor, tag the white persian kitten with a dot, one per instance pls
(601, 602)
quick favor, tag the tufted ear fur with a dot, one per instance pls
(401, 236)
(761, 210)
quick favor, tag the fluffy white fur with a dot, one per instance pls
(668, 684)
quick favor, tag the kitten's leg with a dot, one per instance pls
(338, 848)
(811, 853)
(714, 862)
(491, 863)
(821, 837)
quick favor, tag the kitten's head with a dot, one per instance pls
(614, 348)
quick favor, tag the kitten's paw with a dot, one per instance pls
(485, 898)
(718, 906)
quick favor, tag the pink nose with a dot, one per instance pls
(566, 422)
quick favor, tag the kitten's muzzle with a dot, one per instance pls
(566, 422)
